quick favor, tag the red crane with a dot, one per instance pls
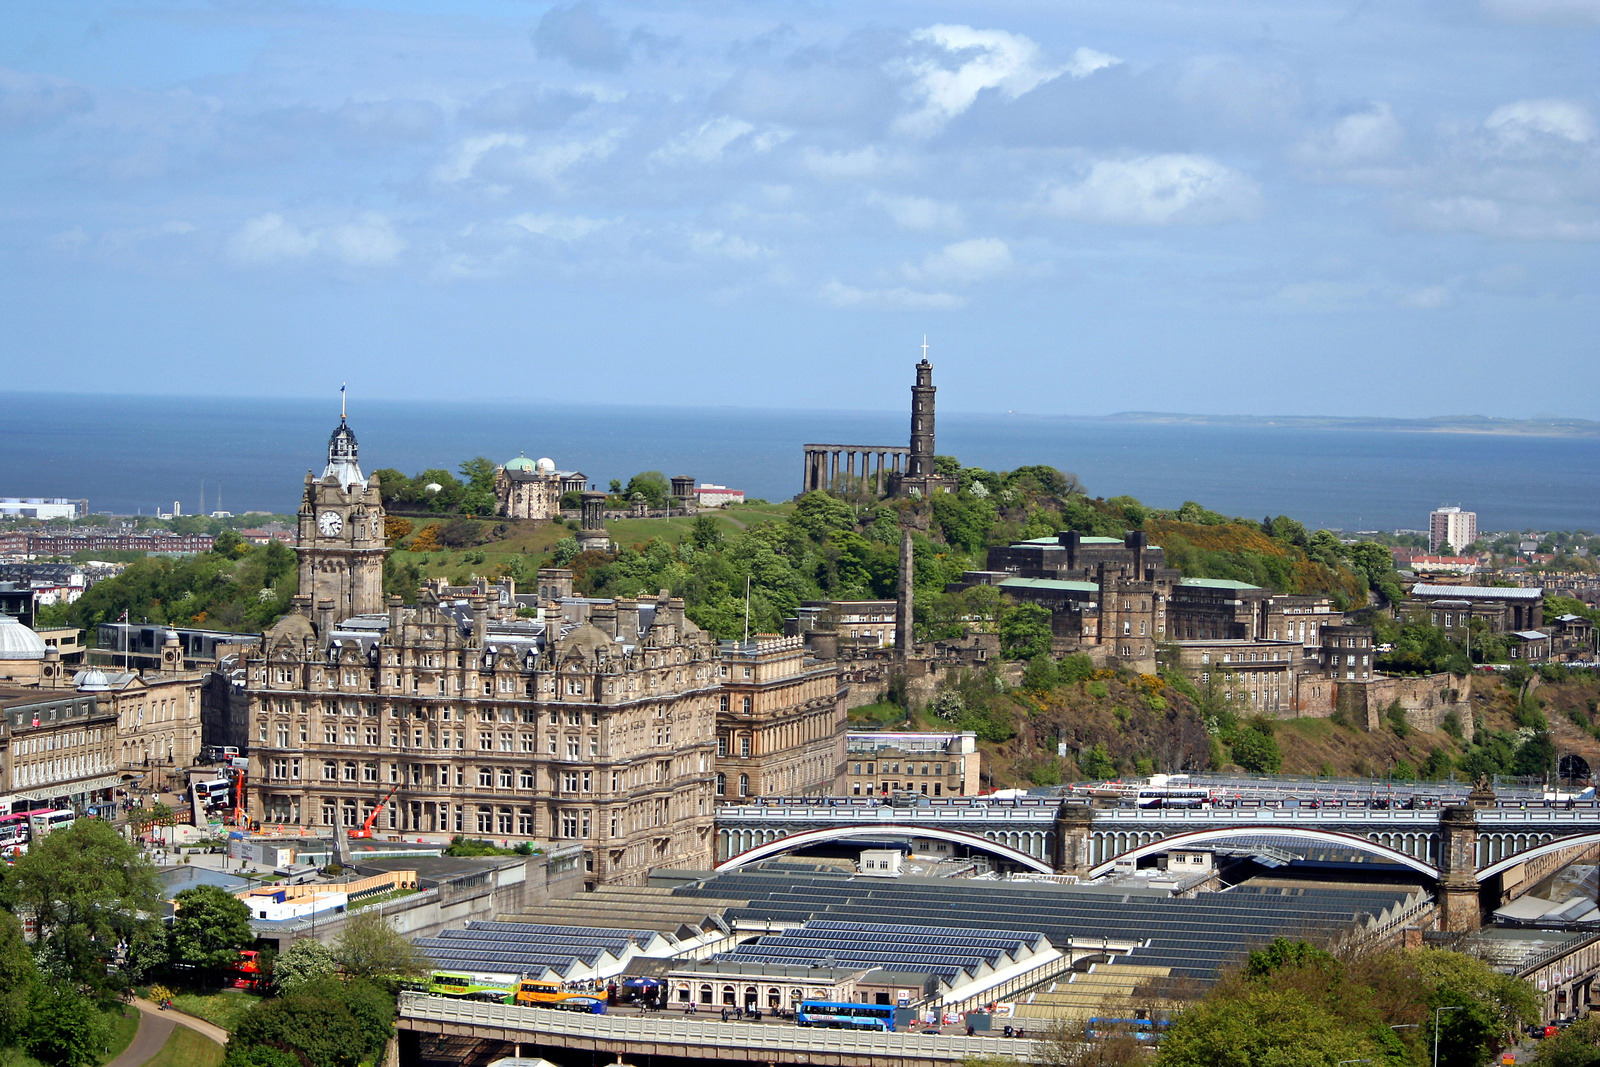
(366, 827)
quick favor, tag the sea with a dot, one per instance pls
(140, 454)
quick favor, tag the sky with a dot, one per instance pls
(1084, 206)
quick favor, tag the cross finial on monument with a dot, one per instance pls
(924, 348)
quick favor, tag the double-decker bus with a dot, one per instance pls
(44, 822)
(472, 985)
(844, 1015)
(13, 830)
(537, 993)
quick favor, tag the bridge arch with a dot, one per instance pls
(1549, 846)
(789, 843)
(1223, 835)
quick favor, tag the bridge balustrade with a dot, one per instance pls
(665, 1028)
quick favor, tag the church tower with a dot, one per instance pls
(340, 541)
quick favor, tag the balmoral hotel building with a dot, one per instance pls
(593, 722)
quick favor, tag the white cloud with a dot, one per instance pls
(472, 149)
(987, 59)
(964, 261)
(1157, 190)
(862, 163)
(1428, 297)
(1362, 138)
(368, 240)
(711, 139)
(1557, 11)
(1559, 118)
(724, 246)
(502, 155)
(897, 299)
(921, 213)
(559, 227)
(270, 238)
(1513, 221)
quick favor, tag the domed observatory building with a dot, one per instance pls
(532, 489)
(22, 653)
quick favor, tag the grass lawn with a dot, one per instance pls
(224, 1007)
(878, 716)
(124, 1024)
(186, 1048)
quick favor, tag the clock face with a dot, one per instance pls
(330, 522)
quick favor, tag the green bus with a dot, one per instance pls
(473, 985)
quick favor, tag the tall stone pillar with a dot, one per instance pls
(1460, 908)
(833, 476)
(903, 599)
(921, 461)
(1074, 842)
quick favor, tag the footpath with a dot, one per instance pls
(155, 1026)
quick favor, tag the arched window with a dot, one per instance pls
(744, 785)
(722, 785)
(727, 996)
(774, 997)
(705, 993)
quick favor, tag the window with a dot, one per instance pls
(330, 734)
(283, 737)
(722, 702)
(525, 779)
(744, 785)
(744, 745)
(505, 820)
(722, 748)
(505, 777)
(369, 772)
(722, 785)
(569, 823)
(485, 825)
(746, 703)
(525, 742)
(569, 781)
(525, 822)
(330, 771)
(572, 747)
(485, 778)
(280, 768)
(372, 734)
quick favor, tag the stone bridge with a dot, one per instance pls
(428, 1023)
(1488, 851)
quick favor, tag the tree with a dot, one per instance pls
(321, 1030)
(307, 960)
(1576, 1046)
(209, 927)
(1262, 1026)
(1256, 749)
(65, 1029)
(89, 890)
(17, 977)
(371, 947)
(652, 485)
(1025, 631)
(705, 533)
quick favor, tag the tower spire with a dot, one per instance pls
(342, 384)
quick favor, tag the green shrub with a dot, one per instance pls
(1098, 690)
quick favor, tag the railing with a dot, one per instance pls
(1586, 813)
(664, 1028)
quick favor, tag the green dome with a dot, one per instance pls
(521, 463)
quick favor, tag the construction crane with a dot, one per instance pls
(366, 827)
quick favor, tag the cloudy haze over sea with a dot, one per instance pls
(1227, 206)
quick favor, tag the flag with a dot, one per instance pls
(124, 616)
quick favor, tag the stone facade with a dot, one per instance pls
(58, 747)
(1453, 606)
(780, 721)
(930, 764)
(529, 489)
(592, 723)
(341, 542)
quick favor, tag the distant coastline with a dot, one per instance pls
(1473, 424)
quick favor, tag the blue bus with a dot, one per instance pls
(1144, 1031)
(844, 1015)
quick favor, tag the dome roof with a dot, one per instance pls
(546, 465)
(19, 642)
(92, 681)
(521, 463)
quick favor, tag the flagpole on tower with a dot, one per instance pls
(341, 401)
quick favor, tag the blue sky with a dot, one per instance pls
(1227, 206)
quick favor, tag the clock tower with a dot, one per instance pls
(340, 542)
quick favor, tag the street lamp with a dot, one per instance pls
(1436, 1013)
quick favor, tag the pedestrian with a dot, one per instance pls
(724, 1013)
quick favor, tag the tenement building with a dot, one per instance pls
(567, 719)
(780, 723)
